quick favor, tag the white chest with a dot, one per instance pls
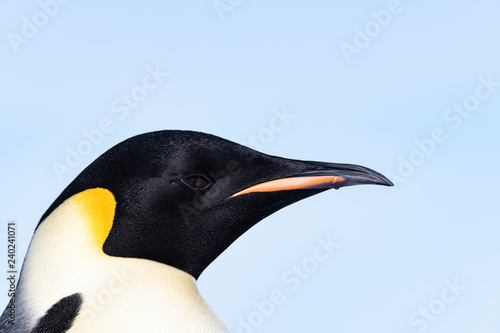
(128, 300)
(119, 294)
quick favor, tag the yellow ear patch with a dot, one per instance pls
(97, 206)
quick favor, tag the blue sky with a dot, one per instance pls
(408, 88)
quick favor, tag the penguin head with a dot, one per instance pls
(183, 197)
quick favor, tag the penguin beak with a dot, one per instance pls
(322, 177)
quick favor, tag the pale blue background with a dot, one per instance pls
(397, 246)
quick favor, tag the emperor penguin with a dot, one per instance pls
(121, 248)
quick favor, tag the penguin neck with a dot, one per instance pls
(65, 257)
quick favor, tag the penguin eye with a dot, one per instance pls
(196, 182)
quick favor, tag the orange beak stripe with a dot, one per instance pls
(293, 183)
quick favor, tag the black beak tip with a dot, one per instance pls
(380, 179)
(369, 176)
(386, 182)
(352, 174)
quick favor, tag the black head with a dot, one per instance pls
(183, 197)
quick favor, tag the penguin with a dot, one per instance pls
(121, 248)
